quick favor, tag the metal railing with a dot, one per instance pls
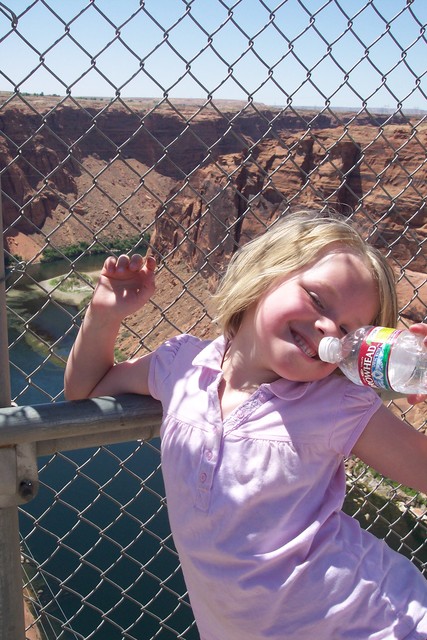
(43, 430)
(191, 180)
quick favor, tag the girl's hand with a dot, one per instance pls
(125, 285)
(421, 330)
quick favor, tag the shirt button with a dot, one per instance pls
(203, 477)
(208, 455)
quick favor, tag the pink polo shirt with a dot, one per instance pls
(255, 508)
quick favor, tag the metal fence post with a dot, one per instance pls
(12, 623)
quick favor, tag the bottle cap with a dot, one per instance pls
(327, 349)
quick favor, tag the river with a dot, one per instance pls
(95, 528)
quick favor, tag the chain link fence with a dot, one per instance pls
(189, 180)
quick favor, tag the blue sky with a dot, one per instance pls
(307, 52)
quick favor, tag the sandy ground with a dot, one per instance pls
(75, 296)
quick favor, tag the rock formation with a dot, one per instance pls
(205, 179)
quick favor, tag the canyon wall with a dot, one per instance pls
(204, 180)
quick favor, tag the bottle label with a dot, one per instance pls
(374, 356)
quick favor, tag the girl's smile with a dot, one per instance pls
(304, 346)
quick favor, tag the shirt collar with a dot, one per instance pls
(212, 354)
(211, 357)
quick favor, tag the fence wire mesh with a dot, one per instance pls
(190, 180)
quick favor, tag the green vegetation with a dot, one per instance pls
(417, 499)
(72, 283)
(382, 517)
(10, 259)
(117, 245)
(119, 355)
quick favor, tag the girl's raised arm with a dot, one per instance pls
(124, 286)
(392, 447)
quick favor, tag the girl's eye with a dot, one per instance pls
(315, 298)
(343, 330)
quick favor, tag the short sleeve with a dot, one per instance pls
(161, 365)
(358, 404)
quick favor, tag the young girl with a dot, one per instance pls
(255, 432)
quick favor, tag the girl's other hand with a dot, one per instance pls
(125, 284)
(421, 330)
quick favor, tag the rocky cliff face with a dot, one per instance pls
(351, 170)
(204, 180)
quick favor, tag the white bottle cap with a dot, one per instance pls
(328, 349)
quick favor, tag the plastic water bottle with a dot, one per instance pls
(380, 357)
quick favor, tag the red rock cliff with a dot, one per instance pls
(79, 170)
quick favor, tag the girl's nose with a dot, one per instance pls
(328, 326)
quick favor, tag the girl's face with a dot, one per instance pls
(281, 332)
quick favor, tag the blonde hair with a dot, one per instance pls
(291, 243)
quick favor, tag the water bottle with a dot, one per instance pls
(381, 358)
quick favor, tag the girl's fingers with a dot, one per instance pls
(110, 264)
(136, 262)
(415, 399)
(150, 263)
(123, 263)
(420, 328)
